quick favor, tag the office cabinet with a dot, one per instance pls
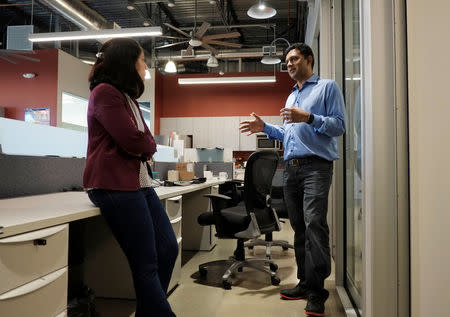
(43, 297)
(27, 256)
(174, 211)
(200, 131)
(247, 142)
(167, 125)
(33, 273)
(176, 273)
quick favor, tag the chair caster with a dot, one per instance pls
(227, 284)
(285, 248)
(275, 280)
(203, 271)
(273, 267)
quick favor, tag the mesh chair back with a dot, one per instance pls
(258, 177)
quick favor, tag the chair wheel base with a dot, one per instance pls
(227, 284)
(273, 267)
(203, 271)
(275, 280)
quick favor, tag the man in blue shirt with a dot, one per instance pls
(314, 116)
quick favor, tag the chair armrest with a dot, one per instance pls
(218, 202)
(277, 192)
(236, 181)
(217, 196)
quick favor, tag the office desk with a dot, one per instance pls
(34, 233)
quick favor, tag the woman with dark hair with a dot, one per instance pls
(116, 175)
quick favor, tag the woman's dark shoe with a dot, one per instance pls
(316, 304)
(298, 292)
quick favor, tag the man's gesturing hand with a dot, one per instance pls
(252, 126)
(294, 114)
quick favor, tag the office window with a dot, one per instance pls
(74, 110)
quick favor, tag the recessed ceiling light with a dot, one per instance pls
(29, 75)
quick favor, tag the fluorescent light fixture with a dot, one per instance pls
(261, 11)
(170, 67)
(212, 1)
(93, 34)
(171, 3)
(88, 62)
(212, 61)
(226, 80)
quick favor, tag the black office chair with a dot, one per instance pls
(280, 208)
(248, 220)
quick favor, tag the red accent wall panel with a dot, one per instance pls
(221, 100)
(18, 93)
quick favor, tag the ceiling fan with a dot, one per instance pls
(197, 38)
(11, 56)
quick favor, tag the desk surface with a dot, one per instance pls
(23, 214)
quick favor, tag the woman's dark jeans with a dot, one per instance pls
(141, 226)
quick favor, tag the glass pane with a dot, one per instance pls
(74, 109)
(352, 92)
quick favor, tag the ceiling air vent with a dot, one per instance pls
(184, 54)
(17, 37)
(269, 49)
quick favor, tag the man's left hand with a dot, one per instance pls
(294, 114)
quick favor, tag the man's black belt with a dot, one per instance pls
(306, 160)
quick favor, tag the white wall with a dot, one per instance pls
(429, 112)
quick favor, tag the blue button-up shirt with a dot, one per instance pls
(322, 98)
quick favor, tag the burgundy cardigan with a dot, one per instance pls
(112, 137)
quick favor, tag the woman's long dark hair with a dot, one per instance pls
(116, 65)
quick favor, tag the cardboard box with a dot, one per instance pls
(173, 175)
(185, 167)
(185, 175)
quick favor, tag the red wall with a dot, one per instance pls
(265, 99)
(18, 93)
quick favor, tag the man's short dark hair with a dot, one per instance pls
(116, 65)
(303, 48)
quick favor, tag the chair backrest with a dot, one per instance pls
(258, 177)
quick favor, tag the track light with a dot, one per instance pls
(131, 5)
(272, 59)
(261, 11)
(212, 61)
(170, 67)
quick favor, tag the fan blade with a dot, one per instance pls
(222, 36)
(210, 48)
(31, 59)
(8, 59)
(177, 29)
(189, 50)
(171, 37)
(172, 44)
(221, 43)
(202, 30)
